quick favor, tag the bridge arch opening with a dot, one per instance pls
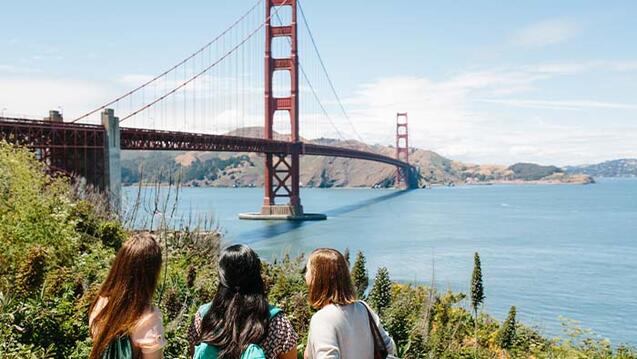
(281, 84)
(281, 124)
(282, 15)
(281, 47)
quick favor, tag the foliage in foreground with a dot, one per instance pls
(58, 243)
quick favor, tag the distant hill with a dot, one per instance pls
(616, 168)
(246, 169)
(532, 171)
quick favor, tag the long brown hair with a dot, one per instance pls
(129, 288)
(329, 279)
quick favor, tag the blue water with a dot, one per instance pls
(549, 250)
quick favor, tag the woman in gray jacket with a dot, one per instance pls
(341, 328)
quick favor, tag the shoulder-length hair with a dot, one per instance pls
(329, 279)
(239, 313)
(129, 288)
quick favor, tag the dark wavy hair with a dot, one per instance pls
(239, 312)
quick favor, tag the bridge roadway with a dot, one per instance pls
(37, 134)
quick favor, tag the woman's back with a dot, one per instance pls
(343, 331)
(147, 335)
(280, 337)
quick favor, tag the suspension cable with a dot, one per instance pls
(329, 79)
(202, 49)
(182, 85)
(318, 100)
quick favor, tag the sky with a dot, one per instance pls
(551, 82)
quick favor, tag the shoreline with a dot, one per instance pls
(429, 186)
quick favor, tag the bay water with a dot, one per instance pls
(553, 251)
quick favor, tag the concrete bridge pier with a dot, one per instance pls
(413, 178)
(112, 156)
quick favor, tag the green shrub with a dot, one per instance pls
(506, 335)
(380, 296)
(30, 275)
(359, 275)
(111, 234)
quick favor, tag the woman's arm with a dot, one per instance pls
(148, 335)
(154, 355)
(389, 342)
(281, 340)
(289, 355)
(194, 332)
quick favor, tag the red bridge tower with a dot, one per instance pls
(282, 175)
(402, 148)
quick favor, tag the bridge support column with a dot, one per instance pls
(112, 154)
(403, 175)
(282, 179)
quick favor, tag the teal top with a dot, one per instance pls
(253, 351)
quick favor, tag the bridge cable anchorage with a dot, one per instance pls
(314, 93)
(201, 50)
(327, 75)
(204, 71)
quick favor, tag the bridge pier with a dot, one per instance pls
(112, 156)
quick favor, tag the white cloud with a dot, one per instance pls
(34, 97)
(561, 105)
(573, 68)
(11, 69)
(547, 32)
(134, 79)
(453, 117)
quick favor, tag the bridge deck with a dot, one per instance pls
(46, 134)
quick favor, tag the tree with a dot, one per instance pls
(359, 275)
(346, 255)
(380, 296)
(477, 291)
(506, 336)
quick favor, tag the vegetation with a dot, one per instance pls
(58, 242)
(359, 275)
(506, 336)
(532, 171)
(616, 168)
(477, 292)
(162, 167)
(380, 295)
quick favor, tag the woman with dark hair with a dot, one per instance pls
(343, 327)
(122, 320)
(239, 319)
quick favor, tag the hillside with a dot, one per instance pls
(615, 168)
(245, 169)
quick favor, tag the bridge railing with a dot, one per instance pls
(23, 122)
(322, 150)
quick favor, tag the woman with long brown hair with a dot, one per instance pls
(122, 318)
(343, 327)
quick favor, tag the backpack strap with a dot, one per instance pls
(274, 311)
(203, 309)
(120, 348)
